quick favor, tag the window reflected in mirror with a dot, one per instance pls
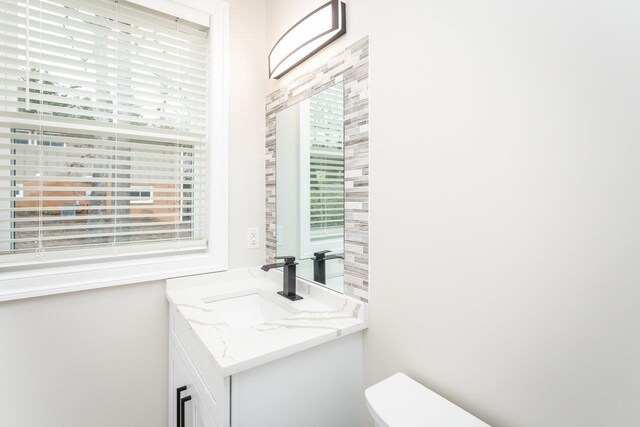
(310, 186)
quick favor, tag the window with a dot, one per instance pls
(141, 195)
(104, 131)
(18, 193)
(326, 158)
(322, 171)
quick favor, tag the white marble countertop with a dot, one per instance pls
(321, 316)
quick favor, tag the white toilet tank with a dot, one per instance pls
(399, 401)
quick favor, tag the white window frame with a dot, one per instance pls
(35, 280)
(140, 199)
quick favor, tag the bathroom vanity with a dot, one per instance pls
(240, 355)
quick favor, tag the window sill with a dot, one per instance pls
(57, 280)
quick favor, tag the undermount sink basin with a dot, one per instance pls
(249, 310)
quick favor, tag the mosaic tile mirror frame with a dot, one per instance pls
(352, 68)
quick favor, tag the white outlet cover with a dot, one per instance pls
(253, 238)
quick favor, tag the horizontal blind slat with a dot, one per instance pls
(34, 121)
(15, 25)
(49, 61)
(16, 87)
(140, 216)
(154, 63)
(200, 204)
(99, 235)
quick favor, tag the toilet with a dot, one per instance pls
(400, 401)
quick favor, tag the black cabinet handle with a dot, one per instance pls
(182, 402)
(178, 391)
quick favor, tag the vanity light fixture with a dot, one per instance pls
(308, 36)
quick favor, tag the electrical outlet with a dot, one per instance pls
(253, 238)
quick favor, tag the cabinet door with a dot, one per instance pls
(318, 387)
(185, 403)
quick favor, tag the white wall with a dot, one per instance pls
(247, 126)
(96, 358)
(504, 208)
(99, 358)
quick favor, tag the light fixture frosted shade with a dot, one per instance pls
(309, 35)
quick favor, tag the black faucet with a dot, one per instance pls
(288, 276)
(319, 267)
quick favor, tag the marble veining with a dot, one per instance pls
(323, 315)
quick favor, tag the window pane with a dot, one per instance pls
(103, 128)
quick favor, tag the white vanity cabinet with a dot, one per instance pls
(187, 407)
(320, 386)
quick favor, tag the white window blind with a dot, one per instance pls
(102, 102)
(326, 157)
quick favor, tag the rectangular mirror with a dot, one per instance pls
(310, 186)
